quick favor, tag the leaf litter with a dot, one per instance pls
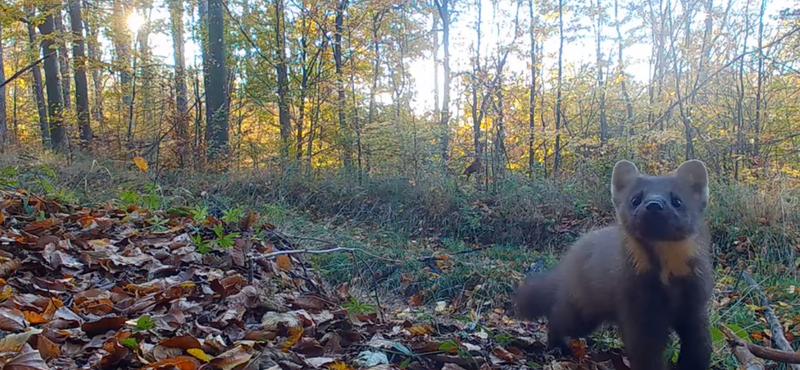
(130, 288)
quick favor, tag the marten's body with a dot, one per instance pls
(648, 274)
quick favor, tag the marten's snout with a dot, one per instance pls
(655, 203)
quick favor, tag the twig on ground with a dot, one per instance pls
(778, 338)
(741, 350)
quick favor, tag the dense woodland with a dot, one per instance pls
(402, 87)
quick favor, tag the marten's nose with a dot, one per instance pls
(655, 204)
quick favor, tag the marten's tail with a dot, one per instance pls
(535, 297)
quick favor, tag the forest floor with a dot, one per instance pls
(130, 281)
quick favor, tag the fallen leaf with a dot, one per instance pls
(12, 319)
(140, 163)
(284, 262)
(27, 359)
(199, 354)
(184, 342)
(180, 362)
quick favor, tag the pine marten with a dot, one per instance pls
(649, 273)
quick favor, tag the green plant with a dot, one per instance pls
(353, 306)
(158, 224)
(144, 323)
(233, 215)
(8, 177)
(130, 342)
(199, 215)
(203, 246)
(224, 240)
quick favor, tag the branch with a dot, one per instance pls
(29, 66)
(778, 339)
(725, 66)
(741, 351)
(242, 31)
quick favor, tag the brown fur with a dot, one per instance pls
(647, 274)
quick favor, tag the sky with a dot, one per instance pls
(576, 52)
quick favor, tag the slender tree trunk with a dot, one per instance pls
(601, 84)
(181, 95)
(622, 76)
(283, 80)
(532, 97)
(95, 55)
(760, 82)
(54, 96)
(38, 87)
(557, 160)
(123, 39)
(216, 95)
(81, 85)
(738, 147)
(3, 123)
(477, 113)
(435, 34)
(63, 62)
(444, 121)
(344, 132)
(312, 131)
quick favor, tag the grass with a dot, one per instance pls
(490, 237)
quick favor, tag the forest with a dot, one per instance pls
(347, 184)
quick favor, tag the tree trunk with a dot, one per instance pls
(738, 147)
(283, 80)
(122, 39)
(54, 96)
(344, 133)
(38, 87)
(435, 34)
(63, 62)
(3, 123)
(81, 85)
(95, 55)
(532, 97)
(557, 160)
(477, 113)
(601, 84)
(444, 120)
(760, 82)
(181, 95)
(217, 92)
(623, 83)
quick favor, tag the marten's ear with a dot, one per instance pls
(623, 176)
(694, 173)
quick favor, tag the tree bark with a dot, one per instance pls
(38, 86)
(217, 92)
(53, 82)
(95, 55)
(601, 84)
(557, 159)
(122, 39)
(283, 80)
(444, 120)
(3, 123)
(532, 97)
(63, 62)
(81, 84)
(347, 154)
(181, 95)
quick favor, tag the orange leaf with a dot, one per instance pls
(140, 163)
(180, 362)
(420, 329)
(338, 365)
(283, 262)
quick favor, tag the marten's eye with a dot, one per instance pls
(636, 201)
(676, 202)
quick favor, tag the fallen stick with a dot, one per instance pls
(741, 350)
(778, 339)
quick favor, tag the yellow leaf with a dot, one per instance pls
(295, 333)
(283, 262)
(199, 354)
(338, 365)
(420, 329)
(140, 163)
(6, 292)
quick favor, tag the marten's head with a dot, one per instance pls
(660, 208)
